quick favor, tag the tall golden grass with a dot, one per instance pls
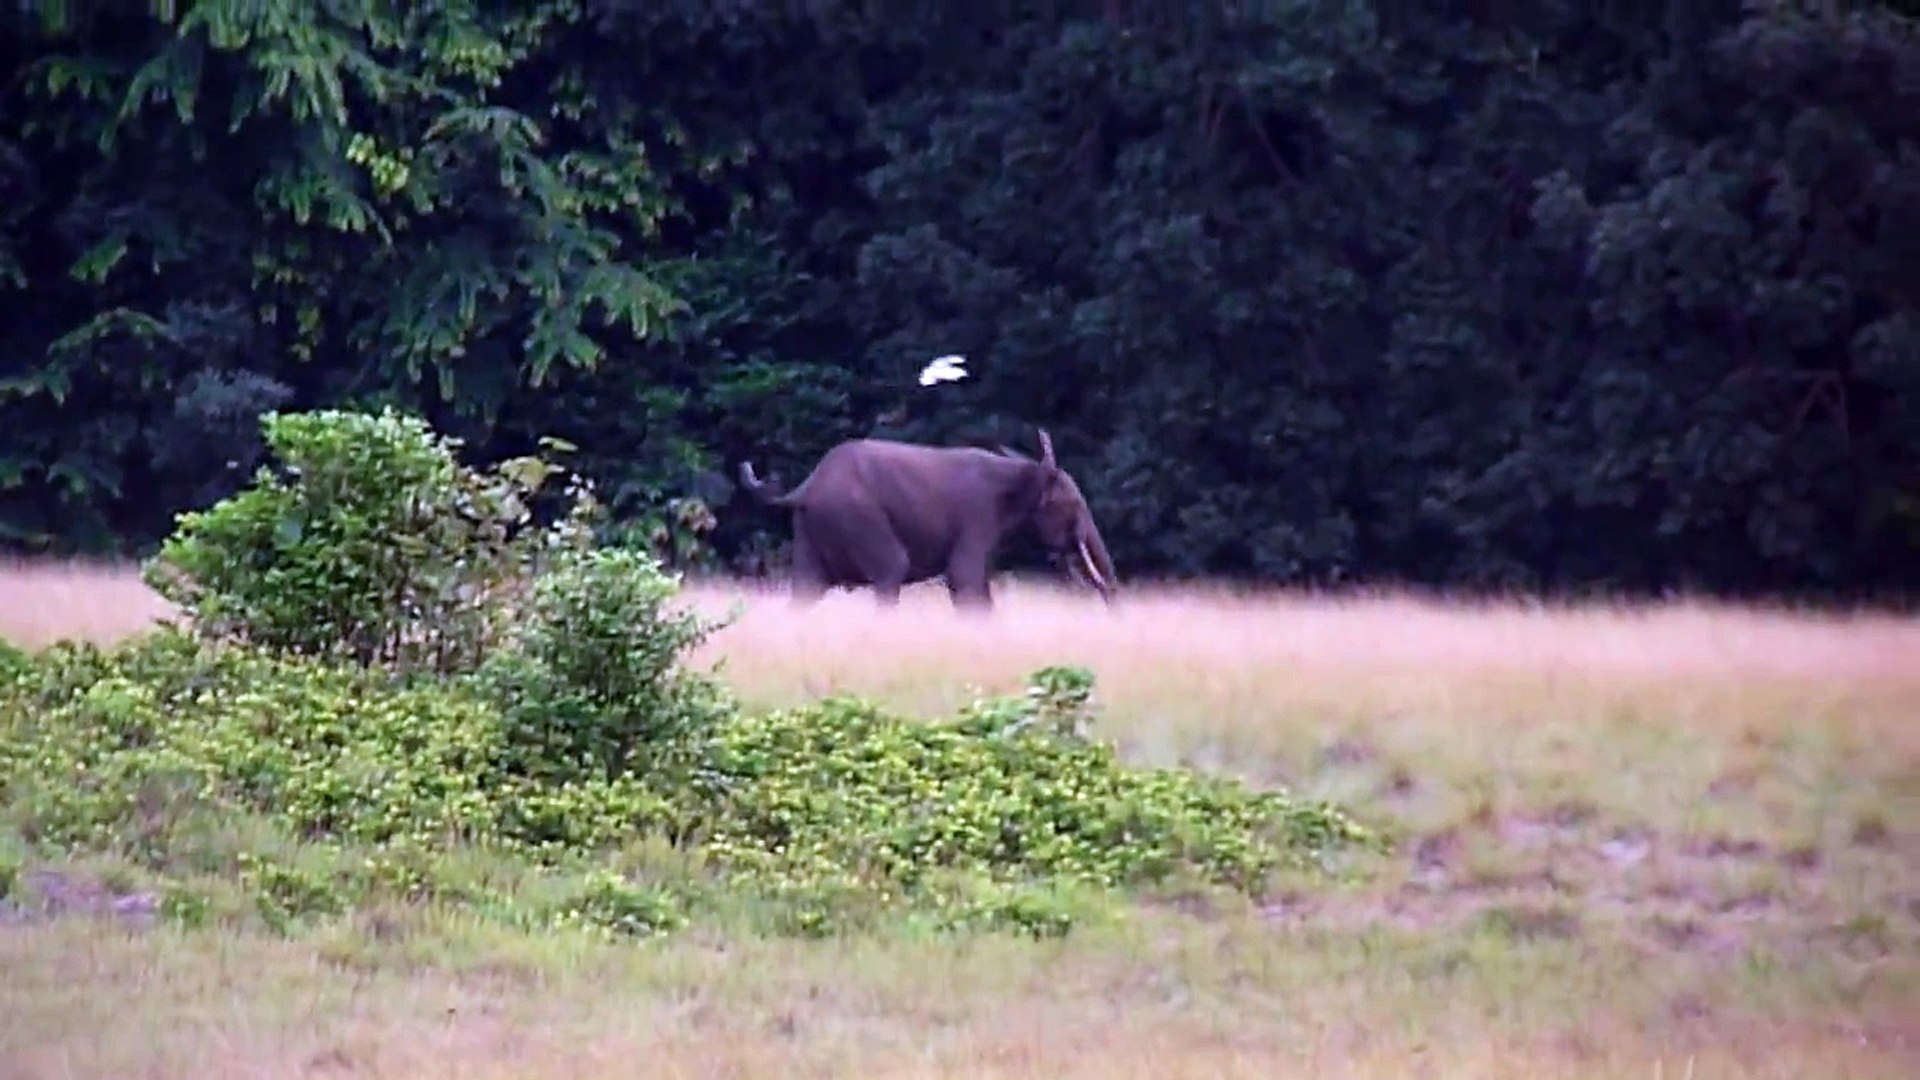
(44, 600)
(1201, 627)
(1195, 627)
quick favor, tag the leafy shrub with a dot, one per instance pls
(370, 542)
(610, 902)
(589, 675)
(1058, 701)
(155, 750)
(847, 794)
(100, 744)
(824, 818)
(14, 661)
(13, 859)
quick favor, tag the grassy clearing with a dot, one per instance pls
(1634, 842)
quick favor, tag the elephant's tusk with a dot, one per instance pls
(1087, 558)
(1077, 570)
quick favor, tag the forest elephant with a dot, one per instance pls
(886, 514)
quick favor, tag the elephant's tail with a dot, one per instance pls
(768, 492)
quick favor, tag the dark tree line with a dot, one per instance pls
(1553, 295)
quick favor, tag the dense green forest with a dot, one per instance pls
(1555, 295)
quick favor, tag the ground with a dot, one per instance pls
(1670, 841)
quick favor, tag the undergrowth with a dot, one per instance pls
(554, 763)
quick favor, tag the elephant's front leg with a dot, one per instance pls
(970, 597)
(969, 573)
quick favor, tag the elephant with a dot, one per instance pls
(882, 513)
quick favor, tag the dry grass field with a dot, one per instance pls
(1677, 841)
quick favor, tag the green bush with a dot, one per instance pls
(608, 901)
(847, 793)
(315, 785)
(823, 818)
(369, 543)
(13, 660)
(589, 678)
(104, 750)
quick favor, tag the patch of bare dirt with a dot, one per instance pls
(1721, 847)
(1872, 832)
(1399, 783)
(1531, 919)
(1348, 752)
(1733, 783)
(1549, 874)
(42, 893)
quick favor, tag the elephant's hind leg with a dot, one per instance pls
(880, 557)
(808, 578)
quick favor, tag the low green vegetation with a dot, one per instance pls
(395, 684)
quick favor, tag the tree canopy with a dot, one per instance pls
(1549, 295)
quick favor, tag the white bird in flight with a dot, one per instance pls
(950, 368)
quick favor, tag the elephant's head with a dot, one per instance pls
(1065, 525)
